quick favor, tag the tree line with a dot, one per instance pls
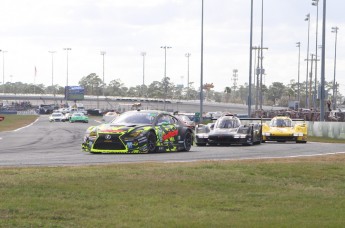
(275, 94)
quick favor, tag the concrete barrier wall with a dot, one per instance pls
(327, 129)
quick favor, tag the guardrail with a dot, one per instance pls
(334, 130)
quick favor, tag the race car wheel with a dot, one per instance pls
(259, 137)
(200, 144)
(251, 143)
(187, 142)
(151, 142)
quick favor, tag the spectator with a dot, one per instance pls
(329, 105)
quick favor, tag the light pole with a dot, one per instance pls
(103, 53)
(256, 72)
(3, 80)
(67, 49)
(261, 55)
(3, 70)
(143, 54)
(335, 30)
(202, 61)
(299, 64)
(188, 55)
(322, 105)
(316, 3)
(306, 79)
(52, 53)
(11, 76)
(165, 73)
(311, 77)
(250, 60)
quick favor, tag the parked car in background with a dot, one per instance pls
(46, 109)
(95, 112)
(57, 117)
(186, 120)
(78, 117)
(109, 116)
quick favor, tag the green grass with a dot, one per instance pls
(325, 140)
(271, 193)
(304, 192)
(13, 122)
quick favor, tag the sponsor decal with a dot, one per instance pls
(112, 131)
(130, 145)
(170, 134)
(160, 134)
(143, 148)
(142, 140)
(107, 137)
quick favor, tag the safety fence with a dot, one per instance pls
(327, 129)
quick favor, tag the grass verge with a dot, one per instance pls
(306, 192)
(13, 122)
(325, 140)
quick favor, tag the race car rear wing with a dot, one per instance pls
(266, 119)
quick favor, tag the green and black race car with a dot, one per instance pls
(140, 131)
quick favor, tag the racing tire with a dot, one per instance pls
(151, 142)
(187, 142)
(251, 143)
(200, 144)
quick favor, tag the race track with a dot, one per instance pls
(59, 144)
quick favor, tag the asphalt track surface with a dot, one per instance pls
(59, 144)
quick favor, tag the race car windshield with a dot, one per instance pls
(228, 123)
(184, 118)
(134, 118)
(281, 123)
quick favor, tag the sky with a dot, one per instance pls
(30, 29)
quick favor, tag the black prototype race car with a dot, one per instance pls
(228, 130)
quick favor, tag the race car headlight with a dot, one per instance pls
(134, 134)
(297, 134)
(266, 134)
(93, 133)
(239, 136)
(202, 136)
